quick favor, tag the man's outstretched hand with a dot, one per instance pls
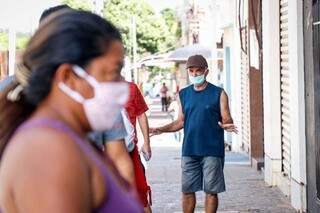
(229, 127)
(154, 131)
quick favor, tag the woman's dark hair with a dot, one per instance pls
(74, 37)
(51, 10)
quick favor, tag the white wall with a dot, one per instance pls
(231, 40)
(226, 21)
(297, 107)
(295, 186)
(271, 90)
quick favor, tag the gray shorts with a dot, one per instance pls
(202, 173)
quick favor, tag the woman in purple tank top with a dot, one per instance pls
(66, 87)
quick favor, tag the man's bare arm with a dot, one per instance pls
(171, 127)
(224, 108)
(227, 121)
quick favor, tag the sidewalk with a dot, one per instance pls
(246, 190)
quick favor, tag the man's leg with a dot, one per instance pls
(166, 104)
(213, 181)
(162, 105)
(211, 203)
(188, 202)
(191, 181)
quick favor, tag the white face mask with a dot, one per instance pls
(103, 109)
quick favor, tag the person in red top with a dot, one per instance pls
(164, 98)
(136, 108)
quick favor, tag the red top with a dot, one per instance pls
(135, 106)
(163, 91)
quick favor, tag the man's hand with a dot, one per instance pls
(147, 150)
(229, 127)
(154, 131)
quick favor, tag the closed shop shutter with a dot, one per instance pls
(245, 100)
(285, 89)
(316, 59)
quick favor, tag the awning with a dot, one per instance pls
(159, 60)
(183, 53)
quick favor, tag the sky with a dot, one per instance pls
(23, 15)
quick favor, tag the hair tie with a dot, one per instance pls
(22, 74)
(15, 94)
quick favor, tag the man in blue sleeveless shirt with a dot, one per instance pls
(204, 114)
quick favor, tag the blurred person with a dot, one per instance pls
(204, 114)
(65, 89)
(164, 97)
(136, 108)
(111, 142)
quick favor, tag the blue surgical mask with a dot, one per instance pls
(197, 80)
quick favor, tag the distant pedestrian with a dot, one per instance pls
(66, 89)
(204, 114)
(174, 113)
(164, 97)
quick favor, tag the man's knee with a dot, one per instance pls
(189, 195)
(211, 195)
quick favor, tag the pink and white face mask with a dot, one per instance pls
(104, 107)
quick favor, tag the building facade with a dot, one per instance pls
(273, 47)
(284, 98)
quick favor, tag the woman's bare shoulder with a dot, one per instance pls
(38, 147)
(46, 164)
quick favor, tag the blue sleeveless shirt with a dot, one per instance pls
(202, 134)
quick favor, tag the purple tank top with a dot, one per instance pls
(117, 200)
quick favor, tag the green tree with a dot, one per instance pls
(174, 26)
(4, 41)
(151, 30)
(22, 40)
(154, 32)
(154, 71)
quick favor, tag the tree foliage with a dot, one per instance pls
(78, 4)
(151, 30)
(154, 32)
(174, 27)
(4, 41)
(22, 40)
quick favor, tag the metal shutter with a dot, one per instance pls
(316, 59)
(245, 101)
(285, 89)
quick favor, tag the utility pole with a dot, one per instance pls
(134, 48)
